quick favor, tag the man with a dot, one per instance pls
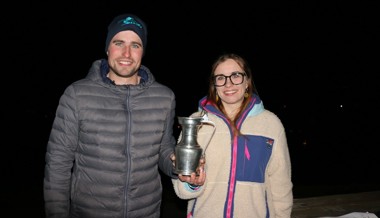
(112, 131)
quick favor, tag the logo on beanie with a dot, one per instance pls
(131, 21)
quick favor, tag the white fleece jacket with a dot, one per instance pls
(246, 177)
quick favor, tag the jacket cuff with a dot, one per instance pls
(191, 188)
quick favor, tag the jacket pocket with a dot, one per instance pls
(252, 158)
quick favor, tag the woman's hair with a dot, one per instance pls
(212, 96)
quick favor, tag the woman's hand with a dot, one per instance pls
(197, 178)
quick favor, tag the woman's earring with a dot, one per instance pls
(246, 94)
(216, 98)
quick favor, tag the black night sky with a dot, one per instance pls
(314, 64)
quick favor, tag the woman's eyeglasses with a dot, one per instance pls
(236, 78)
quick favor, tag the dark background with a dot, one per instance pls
(314, 64)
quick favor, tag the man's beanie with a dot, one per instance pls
(127, 22)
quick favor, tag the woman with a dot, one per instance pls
(247, 171)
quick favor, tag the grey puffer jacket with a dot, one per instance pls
(106, 145)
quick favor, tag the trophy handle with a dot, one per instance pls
(205, 120)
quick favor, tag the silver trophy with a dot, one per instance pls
(188, 152)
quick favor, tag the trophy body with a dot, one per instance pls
(188, 152)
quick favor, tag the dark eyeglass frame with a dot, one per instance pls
(243, 74)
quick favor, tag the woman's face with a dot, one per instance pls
(235, 83)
